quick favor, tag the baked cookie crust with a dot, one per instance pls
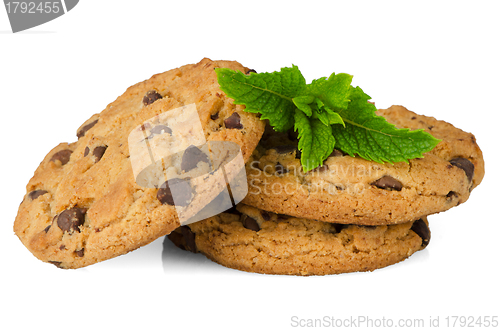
(254, 240)
(83, 204)
(352, 190)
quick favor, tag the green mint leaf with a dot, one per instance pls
(313, 106)
(318, 87)
(322, 116)
(331, 117)
(334, 91)
(269, 94)
(303, 102)
(320, 103)
(373, 138)
(316, 141)
(340, 89)
(327, 113)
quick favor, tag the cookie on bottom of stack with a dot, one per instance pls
(253, 240)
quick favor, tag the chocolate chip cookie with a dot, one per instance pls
(352, 190)
(83, 204)
(254, 240)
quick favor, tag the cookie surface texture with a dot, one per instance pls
(83, 204)
(352, 190)
(264, 242)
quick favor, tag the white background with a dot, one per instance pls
(436, 58)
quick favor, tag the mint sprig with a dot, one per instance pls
(269, 94)
(316, 141)
(328, 113)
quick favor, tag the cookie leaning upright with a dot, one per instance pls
(83, 205)
(352, 190)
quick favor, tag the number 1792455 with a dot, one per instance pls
(22, 7)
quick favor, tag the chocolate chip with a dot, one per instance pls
(85, 128)
(80, 252)
(250, 71)
(451, 195)
(285, 149)
(232, 210)
(282, 217)
(233, 121)
(182, 189)
(292, 135)
(47, 229)
(56, 263)
(161, 129)
(36, 193)
(214, 116)
(189, 238)
(178, 239)
(422, 230)
(280, 169)
(62, 156)
(465, 165)
(99, 152)
(145, 126)
(150, 97)
(340, 187)
(265, 215)
(250, 223)
(192, 155)
(70, 219)
(338, 227)
(298, 154)
(388, 182)
(336, 153)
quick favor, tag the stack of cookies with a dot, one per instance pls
(84, 205)
(347, 215)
